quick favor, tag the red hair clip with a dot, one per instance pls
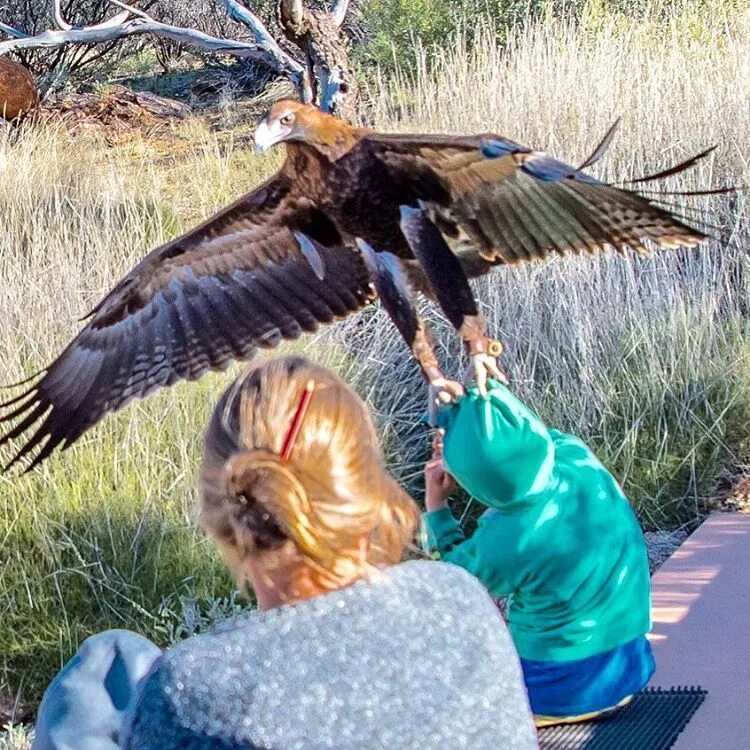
(299, 415)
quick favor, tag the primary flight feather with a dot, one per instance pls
(314, 243)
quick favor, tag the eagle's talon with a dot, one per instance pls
(442, 392)
(483, 367)
(484, 353)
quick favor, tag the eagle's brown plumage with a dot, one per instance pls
(284, 259)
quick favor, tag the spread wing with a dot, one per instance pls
(501, 202)
(267, 268)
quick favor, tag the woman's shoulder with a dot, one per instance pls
(442, 581)
(429, 571)
(425, 584)
(229, 639)
(327, 647)
(192, 685)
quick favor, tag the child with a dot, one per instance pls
(559, 539)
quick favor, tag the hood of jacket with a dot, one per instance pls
(497, 449)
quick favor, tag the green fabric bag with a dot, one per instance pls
(561, 540)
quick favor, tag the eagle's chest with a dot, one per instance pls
(366, 203)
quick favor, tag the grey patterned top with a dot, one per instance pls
(415, 657)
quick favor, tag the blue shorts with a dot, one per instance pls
(583, 686)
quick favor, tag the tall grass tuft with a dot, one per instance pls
(645, 358)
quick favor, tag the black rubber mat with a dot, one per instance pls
(652, 721)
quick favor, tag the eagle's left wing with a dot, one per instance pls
(509, 204)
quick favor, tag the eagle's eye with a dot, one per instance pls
(287, 119)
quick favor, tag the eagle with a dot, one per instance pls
(351, 213)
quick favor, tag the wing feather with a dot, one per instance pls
(512, 204)
(305, 291)
(180, 360)
(560, 229)
(510, 211)
(533, 223)
(238, 282)
(275, 303)
(302, 288)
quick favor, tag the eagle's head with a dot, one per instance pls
(288, 120)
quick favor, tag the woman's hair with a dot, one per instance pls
(330, 494)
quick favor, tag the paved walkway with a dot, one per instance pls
(701, 634)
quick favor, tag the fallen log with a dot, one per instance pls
(18, 91)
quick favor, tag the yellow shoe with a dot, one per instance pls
(549, 721)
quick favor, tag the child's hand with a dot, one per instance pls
(438, 482)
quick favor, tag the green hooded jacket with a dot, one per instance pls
(560, 538)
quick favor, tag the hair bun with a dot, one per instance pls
(333, 506)
(256, 481)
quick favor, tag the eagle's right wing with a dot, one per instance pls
(252, 275)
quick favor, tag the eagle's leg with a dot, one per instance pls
(394, 292)
(451, 286)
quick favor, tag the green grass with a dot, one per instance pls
(646, 359)
(98, 542)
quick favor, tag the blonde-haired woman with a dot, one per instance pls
(350, 649)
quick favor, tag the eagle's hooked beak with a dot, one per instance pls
(267, 135)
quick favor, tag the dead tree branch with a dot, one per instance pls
(15, 33)
(59, 20)
(325, 77)
(263, 39)
(123, 25)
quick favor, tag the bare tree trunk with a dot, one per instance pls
(318, 35)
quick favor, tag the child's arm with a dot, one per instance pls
(480, 554)
(442, 530)
(443, 537)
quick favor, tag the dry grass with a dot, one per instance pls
(15, 738)
(647, 359)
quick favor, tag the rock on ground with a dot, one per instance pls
(661, 544)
